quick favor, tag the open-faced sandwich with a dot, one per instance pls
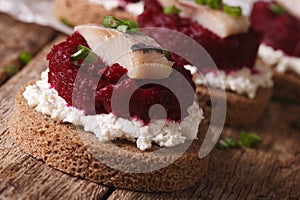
(112, 108)
(232, 44)
(76, 12)
(279, 22)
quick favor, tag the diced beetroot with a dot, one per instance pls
(96, 88)
(120, 100)
(83, 94)
(114, 73)
(63, 72)
(229, 53)
(280, 31)
(103, 96)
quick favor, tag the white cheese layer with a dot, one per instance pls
(107, 4)
(242, 81)
(109, 127)
(217, 21)
(133, 8)
(279, 59)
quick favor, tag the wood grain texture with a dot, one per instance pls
(16, 37)
(22, 176)
(271, 171)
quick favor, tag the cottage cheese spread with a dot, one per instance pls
(279, 59)
(108, 126)
(242, 81)
(133, 8)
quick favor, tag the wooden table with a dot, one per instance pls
(271, 171)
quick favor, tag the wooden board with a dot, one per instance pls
(17, 37)
(22, 176)
(271, 171)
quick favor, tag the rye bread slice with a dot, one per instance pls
(78, 12)
(287, 86)
(241, 111)
(61, 146)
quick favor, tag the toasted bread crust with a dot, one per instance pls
(60, 145)
(241, 111)
(78, 12)
(287, 85)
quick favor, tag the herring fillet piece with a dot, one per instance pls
(114, 46)
(292, 6)
(166, 3)
(217, 21)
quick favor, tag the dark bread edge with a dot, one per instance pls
(59, 145)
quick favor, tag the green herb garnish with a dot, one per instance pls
(132, 24)
(246, 140)
(65, 21)
(227, 143)
(296, 124)
(111, 22)
(123, 28)
(249, 139)
(84, 54)
(201, 2)
(277, 9)
(233, 11)
(121, 25)
(214, 4)
(171, 10)
(25, 57)
(166, 53)
(11, 70)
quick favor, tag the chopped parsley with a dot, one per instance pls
(121, 25)
(251, 140)
(171, 10)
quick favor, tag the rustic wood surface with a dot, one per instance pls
(271, 171)
(22, 176)
(16, 37)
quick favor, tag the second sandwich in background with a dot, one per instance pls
(279, 24)
(231, 42)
